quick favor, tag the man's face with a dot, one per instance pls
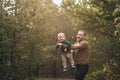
(80, 36)
(61, 38)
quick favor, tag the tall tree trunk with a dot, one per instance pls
(13, 48)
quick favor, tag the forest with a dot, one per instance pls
(28, 35)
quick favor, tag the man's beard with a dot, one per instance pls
(79, 39)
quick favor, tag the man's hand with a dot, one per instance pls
(72, 46)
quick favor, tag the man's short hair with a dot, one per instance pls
(83, 32)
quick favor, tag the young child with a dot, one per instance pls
(65, 45)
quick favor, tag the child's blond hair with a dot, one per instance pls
(61, 34)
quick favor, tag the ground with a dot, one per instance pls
(52, 79)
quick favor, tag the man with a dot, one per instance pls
(81, 49)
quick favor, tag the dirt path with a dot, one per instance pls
(55, 79)
(52, 79)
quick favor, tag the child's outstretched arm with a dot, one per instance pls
(59, 45)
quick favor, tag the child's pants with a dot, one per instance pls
(64, 59)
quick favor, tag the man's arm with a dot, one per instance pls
(83, 44)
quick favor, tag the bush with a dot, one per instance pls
(97, 75)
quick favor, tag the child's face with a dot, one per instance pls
(61, 38)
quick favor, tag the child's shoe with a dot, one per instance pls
(73, 66)
(65, 69)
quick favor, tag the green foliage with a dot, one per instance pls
(29, 33)
(108, 17)
(97, 17)
(27, 37)
(97, 75)
(116, 13)
(48, 54)
(110, 70)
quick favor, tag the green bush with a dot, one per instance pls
(97, 75)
